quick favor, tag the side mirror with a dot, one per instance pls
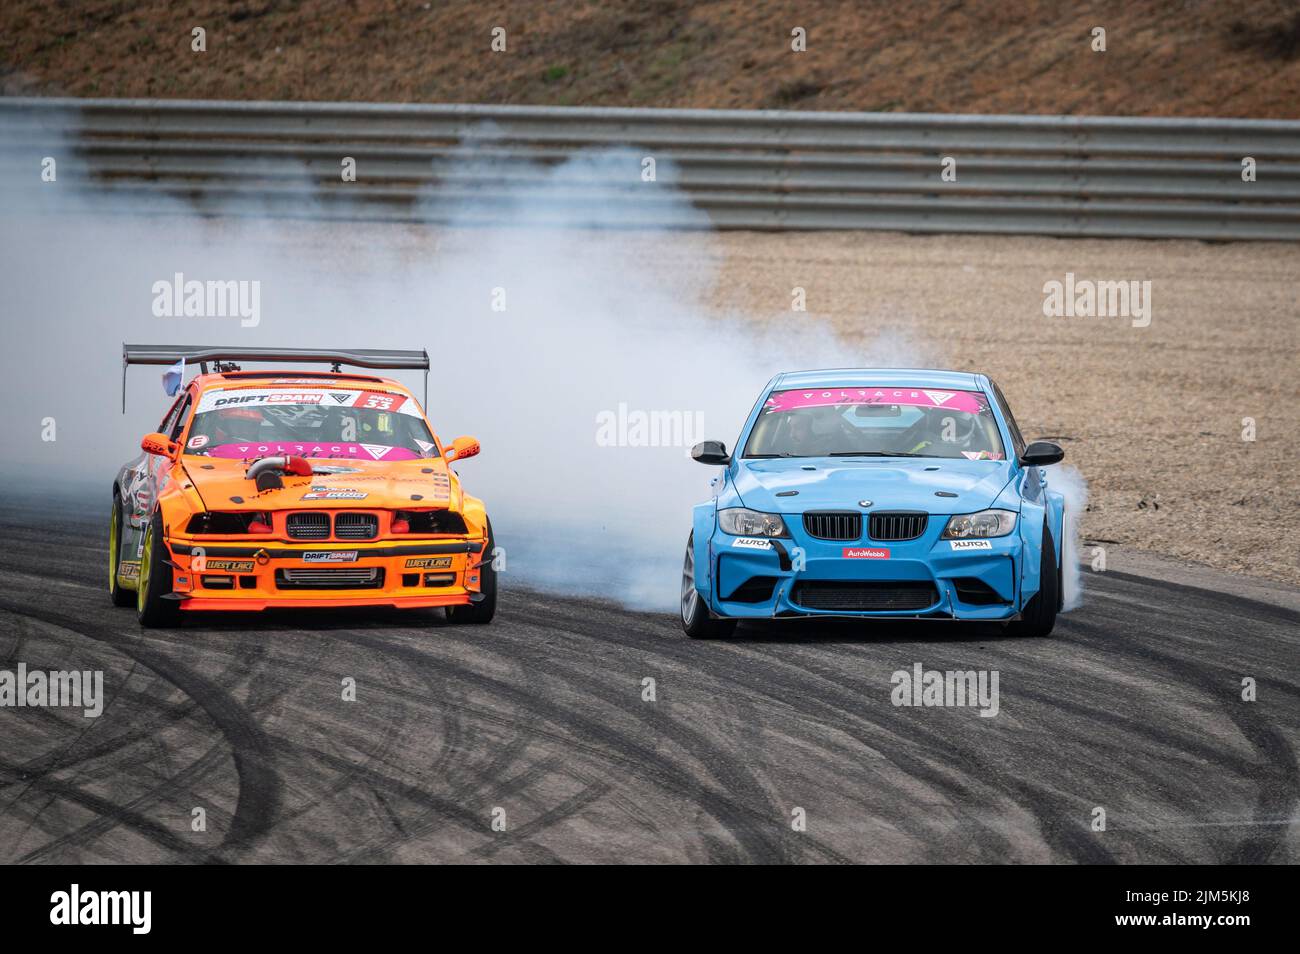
(1042, 453)
(461, 448)
(160, 444)
(711, 452)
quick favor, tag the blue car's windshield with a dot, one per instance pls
(877, 422)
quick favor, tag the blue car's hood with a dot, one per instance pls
(839, 483)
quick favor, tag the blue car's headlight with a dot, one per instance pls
(751, 523)
(986, 523)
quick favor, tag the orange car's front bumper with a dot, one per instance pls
(243, 576)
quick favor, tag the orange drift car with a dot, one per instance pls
(295, 489)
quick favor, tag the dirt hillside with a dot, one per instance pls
(1162, 57)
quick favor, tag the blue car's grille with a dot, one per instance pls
(852, 596)
(898, 525)
(833, 526)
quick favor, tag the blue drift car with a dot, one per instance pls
(877, 494)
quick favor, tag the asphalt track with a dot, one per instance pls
(1133, 705)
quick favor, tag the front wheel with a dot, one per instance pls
(1038, 618)
(486, 608)
(696, 621)
(155, 605)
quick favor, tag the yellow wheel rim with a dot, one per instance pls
(146, 557)
(112, 550)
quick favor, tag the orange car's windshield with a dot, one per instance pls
(243, 423)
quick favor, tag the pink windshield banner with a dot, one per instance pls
(322, 450)
(970, 402)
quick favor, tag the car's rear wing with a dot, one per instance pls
(194, 354)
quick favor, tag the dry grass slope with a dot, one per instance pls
(1163, 57)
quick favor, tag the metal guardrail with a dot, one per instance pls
(1068, 176)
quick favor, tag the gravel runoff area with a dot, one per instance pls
(1153, 416)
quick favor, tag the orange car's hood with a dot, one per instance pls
(409, 485)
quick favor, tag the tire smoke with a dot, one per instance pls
(585, 355)
(1067, 481)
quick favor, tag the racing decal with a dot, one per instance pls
(197, 441)
(429, 563)
(379, 401)
(334, 493)
(982, 455)
(751, 543)
(323, 449)
(217, 398)
(330, 556)
(972, 545)
(267, 397)
(232, 566)
(376, 450)
(971, 402)
(138, 493)
(128, 571)
(865, 553)
(441, 486)
(425, 446)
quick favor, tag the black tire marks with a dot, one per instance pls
(1133, 703)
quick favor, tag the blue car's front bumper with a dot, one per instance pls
(803, 576)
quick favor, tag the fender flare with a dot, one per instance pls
(1033, 518)
(704, 520)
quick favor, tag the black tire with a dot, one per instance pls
(1060, 582)
(1039, 615)
(119, 594)
(482, 611)
(154, 606)
(697, 622)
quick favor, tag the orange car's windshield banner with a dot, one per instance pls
(347, 451)
(218, 398)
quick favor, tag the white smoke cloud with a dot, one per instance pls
(1067, 480)
(596, 316)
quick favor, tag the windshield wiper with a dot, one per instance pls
(875, 454)
(768, 456)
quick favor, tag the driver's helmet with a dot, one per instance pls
(829, 421)
(809, 428)
(959, 432)
(237, 424)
